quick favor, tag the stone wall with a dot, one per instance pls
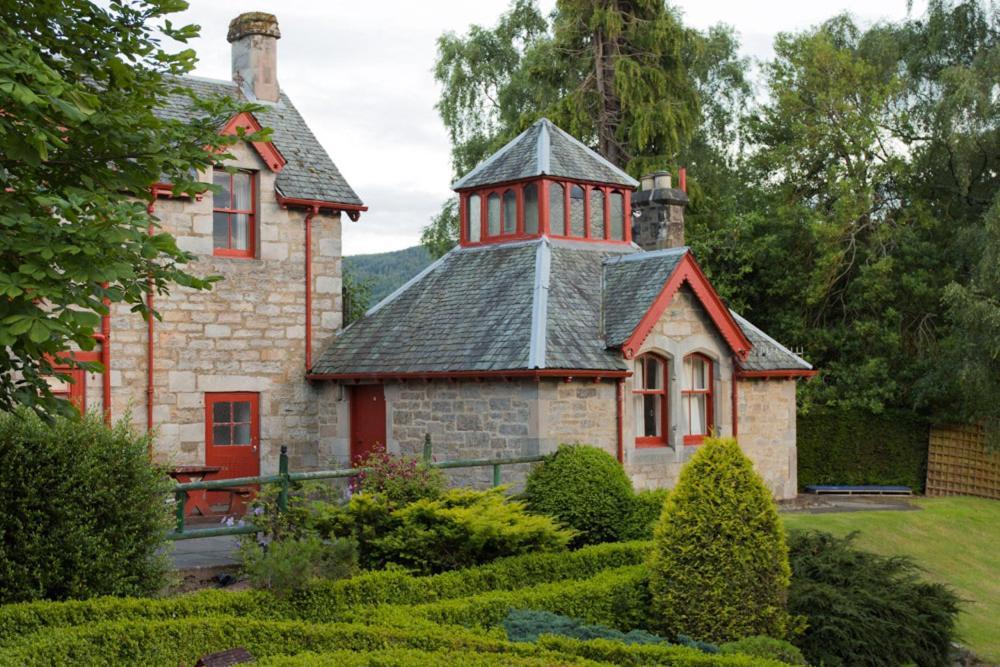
(766, 431)
(580, 411)
(246, 334)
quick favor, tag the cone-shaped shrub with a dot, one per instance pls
(586, 489)
(719, 566)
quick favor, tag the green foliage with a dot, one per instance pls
(527, 625)
(647, 507)
(328, 600)
(765, 647)
(844, 446)
(441, 234)
(82, 512)
(398, 479)
(462, 528)
(719, 567)
(78, 85)
(866, 610)
(356, 294)
(584, 488)
(290, 565)
(386, 271)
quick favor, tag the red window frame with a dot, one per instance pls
(708, 392)
(251, 213)
(211, 398)
(663, 392)
(546, 224)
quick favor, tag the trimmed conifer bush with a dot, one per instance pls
(586, 489)
(82, 510)
(719, 566)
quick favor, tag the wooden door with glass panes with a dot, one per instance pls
(232, 437)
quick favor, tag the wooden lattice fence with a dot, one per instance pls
(959, 465)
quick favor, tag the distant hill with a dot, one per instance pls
(388, 270)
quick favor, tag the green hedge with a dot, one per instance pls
(416, 658)
(329, 600)
(838, 446)
(172, 642)
(616, 598)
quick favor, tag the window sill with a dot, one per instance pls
(643, 443)
(232, 254)
(694, 439)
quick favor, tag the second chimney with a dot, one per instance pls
(660, 208)
(254, 36)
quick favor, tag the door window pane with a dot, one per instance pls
(531, 209)
(221, 434)
(596, 214)
(474, 214)
(557, 211)
(616, 216)
(222, 412)
(576, 228)
(493, 215)
(509, 212)
(241, 434)
(241, 411)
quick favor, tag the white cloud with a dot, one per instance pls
(361, 75)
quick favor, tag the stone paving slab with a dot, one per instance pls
(205, 552)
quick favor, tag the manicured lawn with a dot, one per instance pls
(956, 540)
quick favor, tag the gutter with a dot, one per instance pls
(783, 373)
(538, 373)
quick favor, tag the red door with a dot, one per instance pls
(232, 437)
(367, 420)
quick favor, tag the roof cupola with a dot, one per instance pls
(545, 182)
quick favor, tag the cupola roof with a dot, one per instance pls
(544, 150)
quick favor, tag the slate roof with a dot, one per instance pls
(632, 283)
(520, 306)
(544, 149)
(309, 173)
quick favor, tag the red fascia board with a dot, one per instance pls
(780, 373)
(689, 272)
(267, 151)
(353, 210)
(454, 375)
(538, 177)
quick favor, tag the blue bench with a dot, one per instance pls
(861, 490)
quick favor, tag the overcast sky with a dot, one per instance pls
(361, 75)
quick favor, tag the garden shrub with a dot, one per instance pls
(584, 488)
(83, 511)
(617, 653)
(463, 527)
(866, 610)
(838, 446)
(527, 625)
(646, 510)
(399, 479)
(291, 564)
(719, 567)
(328, 600)
(765, 647)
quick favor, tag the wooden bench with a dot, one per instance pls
(239, 498)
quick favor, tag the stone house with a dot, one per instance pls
(548, 325)
(221, 379)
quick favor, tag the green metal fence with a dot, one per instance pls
(284, 478)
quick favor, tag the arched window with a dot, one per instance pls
(596, 213)
(650, 400)
(531, 209)
(616, 216)
(493, 215)
(557, 210)
(697, 399)
(576, 228)
(474, 218)
(509, 212)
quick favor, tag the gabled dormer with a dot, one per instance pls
(545, 183)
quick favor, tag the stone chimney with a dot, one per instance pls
(660, 208)
(254, 36)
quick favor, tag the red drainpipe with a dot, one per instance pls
(682, 176)
(308, 259)
(106, 362)
(736, 401)
(619, 406)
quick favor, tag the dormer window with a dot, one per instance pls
(234, 213)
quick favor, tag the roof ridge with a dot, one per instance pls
(540, 305)
(491, 159)
(647, 254)
(597, 156)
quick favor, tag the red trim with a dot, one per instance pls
(736, 402)
(783, 373)
(267, 151)
(106, 362)
(664, 393)
(708, 393)
(620, 413)
(569, 374)
(353, 210)
(689, 272)
(250, 251)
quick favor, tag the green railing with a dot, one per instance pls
(284, 478)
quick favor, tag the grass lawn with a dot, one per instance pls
(956, 540)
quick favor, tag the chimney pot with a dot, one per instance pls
(254, 36)
(661, 180)
(646, 182)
